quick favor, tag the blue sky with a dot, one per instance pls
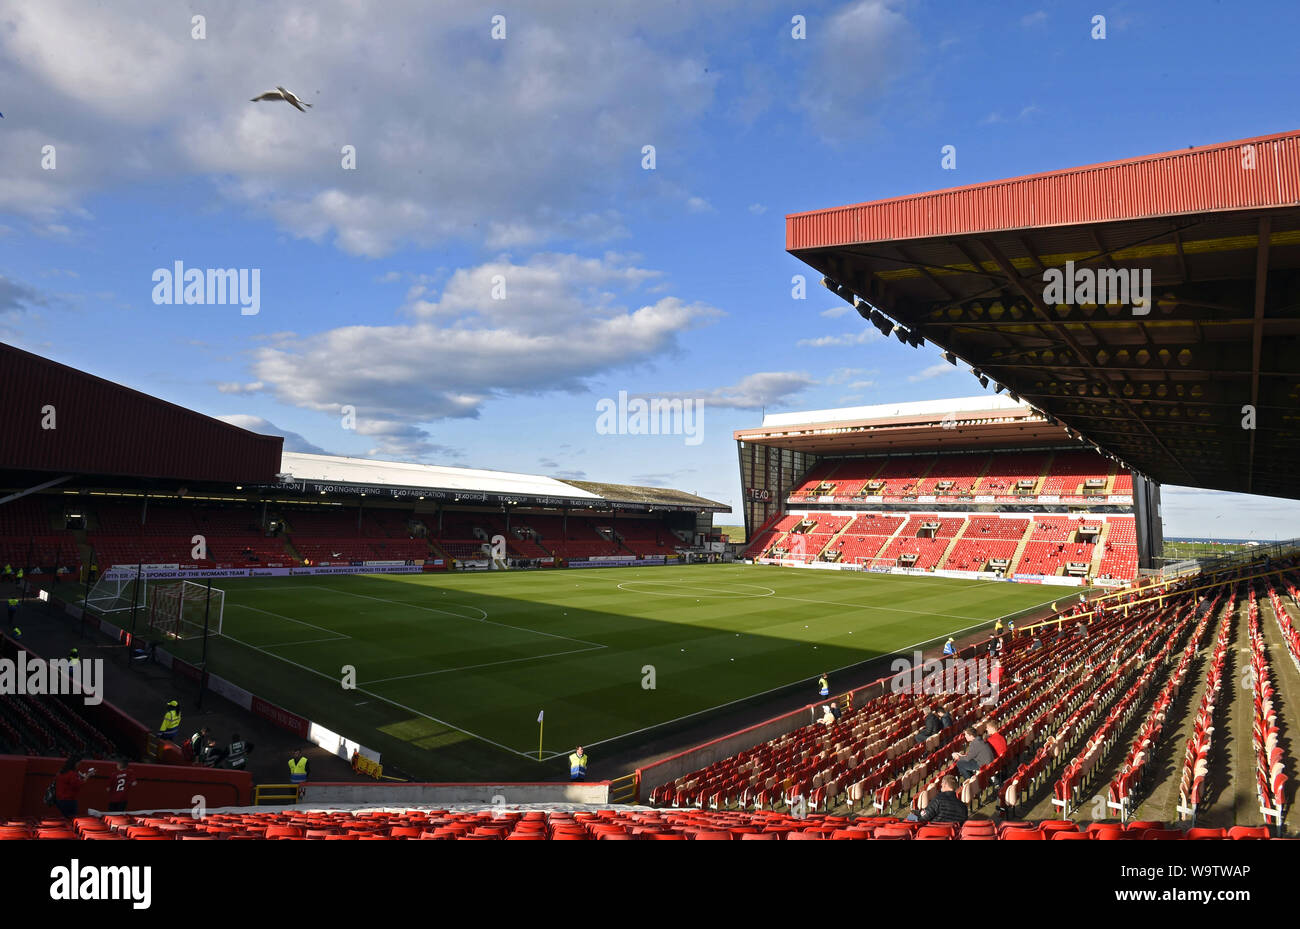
(520, 160)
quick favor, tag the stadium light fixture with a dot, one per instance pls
(863, 308)
(902, 334)
(1015, 398)
(881, 322)
(840, 290)
(984, 381)
(950, 358)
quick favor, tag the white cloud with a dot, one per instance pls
(757, 209)
(1036, 18)
(859, 52)
(751, 392)
(234, 387)
(293, 442)
(842, 375)
(861, 337)
(560, 325)
(836, 311)
(935, 370)
(449, 126)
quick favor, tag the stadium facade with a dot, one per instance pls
(94, 473)
(981, 487)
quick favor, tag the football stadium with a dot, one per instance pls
(947, 618)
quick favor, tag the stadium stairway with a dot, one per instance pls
(1014, 564)
(952, 546)
(1099, 550)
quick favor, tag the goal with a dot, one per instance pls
(117, 592)
(177, 609)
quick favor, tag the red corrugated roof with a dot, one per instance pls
(103, 428)
(1211, 178)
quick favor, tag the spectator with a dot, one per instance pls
(237, 752)
(946, 807)
(197, 741)
(211, 754)
(835, 710)
(945, 718)
(930, 727)
(13, 614)
(978, 754)
(995, 739)
(578, 765)
(119, 782)
(1036, 645)
(828, 719)
(298, 769)
(996, 674)
(67, 785)
(171, 721)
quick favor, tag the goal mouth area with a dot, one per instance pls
(182, 610)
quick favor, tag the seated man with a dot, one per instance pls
(978, 754)
(930, 727)
(946, 807)
(995, 739)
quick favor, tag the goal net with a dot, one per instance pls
(116, 592)
(177, 609)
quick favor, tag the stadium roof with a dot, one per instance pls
(961, 424)
(336, 474)
(1168, 391)
(56, 420)
(653, 496)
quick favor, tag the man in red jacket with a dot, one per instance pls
(995, 738)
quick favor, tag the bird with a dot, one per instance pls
(281, 94)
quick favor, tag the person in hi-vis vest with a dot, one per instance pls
(171, 721)
(823, 686)
(577, 765)
(298, 769)
(13, 617)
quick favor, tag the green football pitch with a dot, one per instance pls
(451, 670)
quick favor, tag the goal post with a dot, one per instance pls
(178, 609)
(117, 592)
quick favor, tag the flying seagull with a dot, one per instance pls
(281, 94)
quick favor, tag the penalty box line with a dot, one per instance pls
(335, 634)
(375, 696)
(416, 606)
(486, 664)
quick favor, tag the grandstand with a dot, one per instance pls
(1049, 513)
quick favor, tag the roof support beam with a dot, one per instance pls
(1036, 300)
(1257, 348)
